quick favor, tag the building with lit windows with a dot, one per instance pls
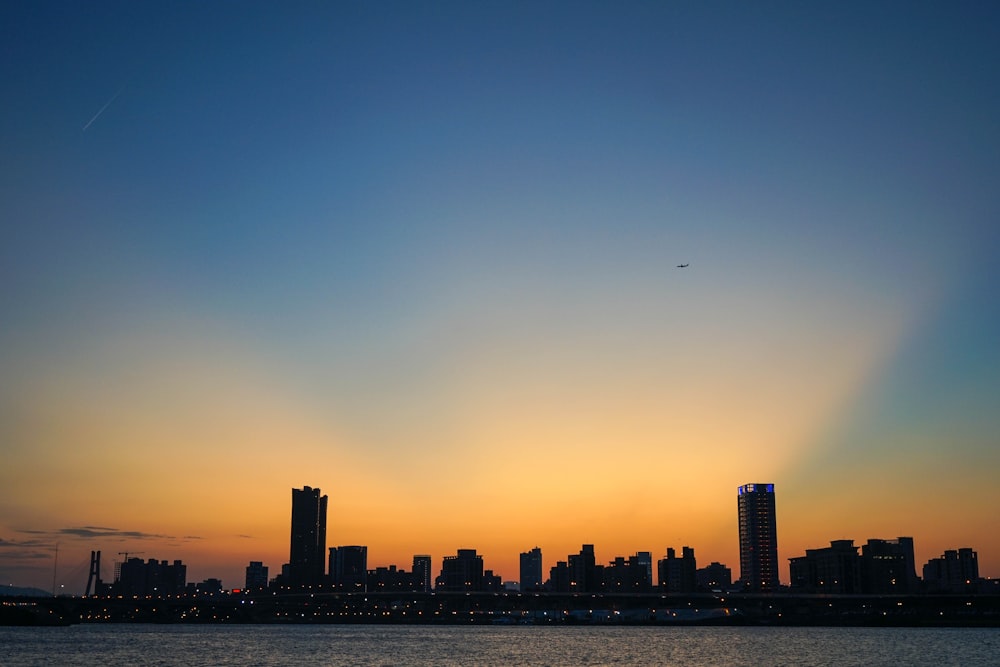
(630, 575)
(391, 579)
(714, 577)
(888, 566)
(531, 570)
(585, 575)
(149, 578)
(422, 572)
(955, 571)
(834, 569)
(884, 566)
(758, 538)
(464, 572)
(678, 575)
(349, 568)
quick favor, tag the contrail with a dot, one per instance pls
(106, 105)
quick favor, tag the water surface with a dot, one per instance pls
(465, 646)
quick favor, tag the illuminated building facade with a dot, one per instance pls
(758, 538)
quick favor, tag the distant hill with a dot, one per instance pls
(24, 592)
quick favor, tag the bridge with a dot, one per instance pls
(512, 608)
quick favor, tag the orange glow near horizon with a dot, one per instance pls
(202, 454)
(433, 271)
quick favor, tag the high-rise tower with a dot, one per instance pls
(422, 572)
(308, 544)
(758, 538)
(531, 570)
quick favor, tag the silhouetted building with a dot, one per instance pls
(492, 583)
(531, 570)
(462, 572)
(832, 569)
(617, 575)
(209, 587)
(306, 561)
(151, 578)
(758, 538)
(714, 577)
(388, 579)
(256, 575)
(422, 571)
(678, 575)
(629, 575)
(955, 571)
(644, 560)
(579, 573)
(349, 568)
(888, 566)
(559, 577)
(585, 575)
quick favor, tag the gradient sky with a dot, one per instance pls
(422, 256)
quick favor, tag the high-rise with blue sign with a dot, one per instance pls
(758, 538)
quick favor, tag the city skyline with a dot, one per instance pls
(347, 566)
(425, 256)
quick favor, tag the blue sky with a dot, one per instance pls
(443, 237)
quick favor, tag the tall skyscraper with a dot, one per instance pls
(422, 572)
(308, 544)
(531, 570)
(583, 571)
(758, 538)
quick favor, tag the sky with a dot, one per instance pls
(424, 256)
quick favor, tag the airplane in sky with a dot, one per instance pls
(682, 266)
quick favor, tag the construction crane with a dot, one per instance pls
(118, 564)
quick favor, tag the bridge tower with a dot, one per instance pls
(95, 572)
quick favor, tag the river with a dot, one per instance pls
(403, 646)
